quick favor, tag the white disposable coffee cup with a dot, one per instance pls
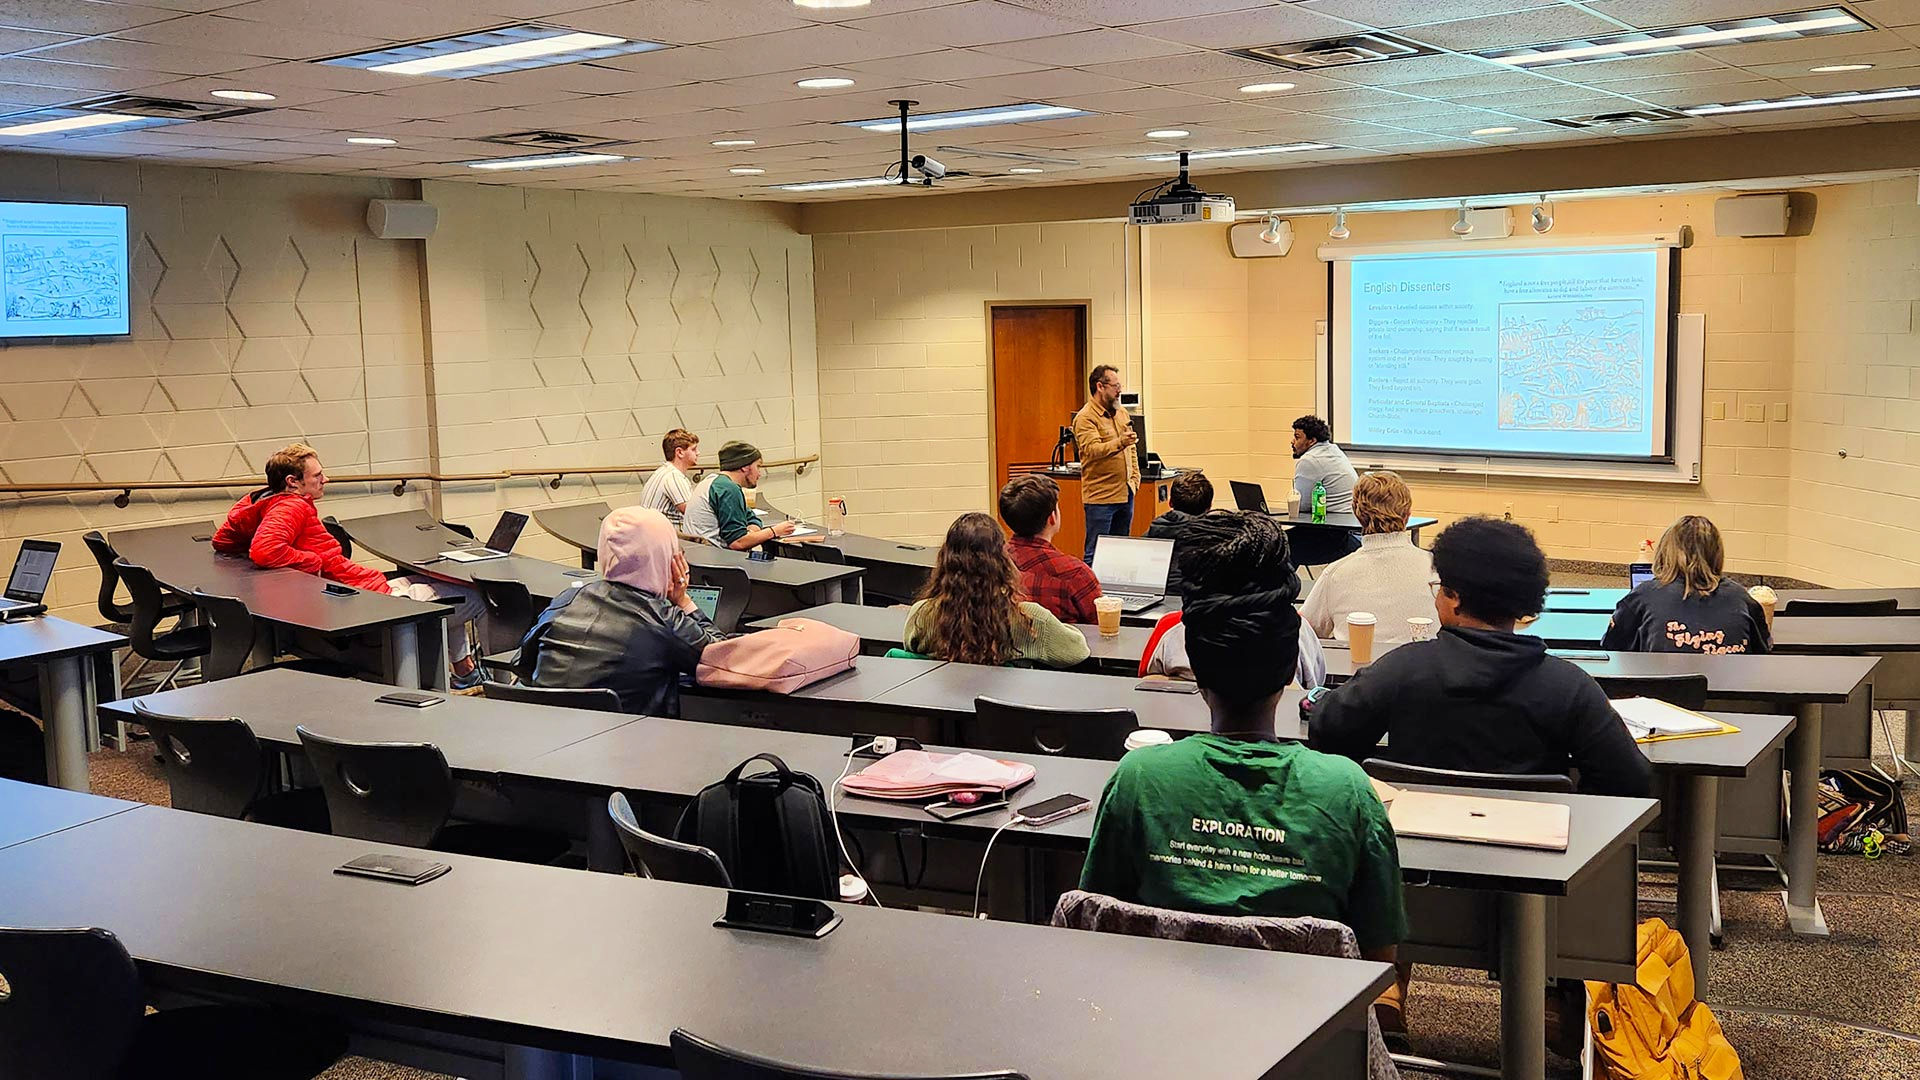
(1147, 737)
(1360, 636)
(1419, 628)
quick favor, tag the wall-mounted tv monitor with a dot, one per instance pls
(63, 270)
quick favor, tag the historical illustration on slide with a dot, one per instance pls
(62, 277)
(1572, 366)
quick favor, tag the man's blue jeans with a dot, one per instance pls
(1110, 519)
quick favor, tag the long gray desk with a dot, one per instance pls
(412, 648)
(1907, 600)
(31, 811)
(573, 963)
(75, 670)
(413, 539)
(880, 629)
(1347, 521)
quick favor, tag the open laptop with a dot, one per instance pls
(27, 585)
(506, 533)
(1133, 568)
(1639, 574)
(1248, 496)
(705, 597)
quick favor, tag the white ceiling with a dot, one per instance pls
(1134, 64)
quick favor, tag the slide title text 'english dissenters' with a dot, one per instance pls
(1375, 288)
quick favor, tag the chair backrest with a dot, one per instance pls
(463, 530)
(736, 589)
(1686, 691)
(339, 534)
(1016, 728)
(825, 553)
(214, 764)
(1394, 772)
(597, 698)
(655, 856)
(1318, 545)
(510, 612)
(73, 1005)
(391, 793)
(698, 1059)
(1160, 627)
(232, 626)
(1799, 607)
(103, 553)
(147, 604)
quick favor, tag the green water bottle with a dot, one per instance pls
(1319, 501)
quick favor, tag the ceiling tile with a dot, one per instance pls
(79, 16)
(1193, 67)
(172, 59)
(973, 22)
(945, 65)
(826, 45)
(1386, 14)
(12, 41)
(681, 22)
(1406, 70)
(260, 39)
(1087, 47)
(1534, 28)
(1042, 85)
(1268, 25)
(33, 72)
(1129, 12)
(1653, 14)
(410, 21)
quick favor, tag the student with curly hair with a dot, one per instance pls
(973, 610)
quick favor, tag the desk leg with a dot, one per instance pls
(1699, 804)
(403, 654)
(63, 703)
(526, 1063)
(1802, 896)
(1523, 986)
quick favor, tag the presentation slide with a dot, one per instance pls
(63, 270)
(1558, 352)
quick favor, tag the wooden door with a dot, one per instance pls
(1039, 380)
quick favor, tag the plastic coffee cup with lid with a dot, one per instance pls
(1147, 737)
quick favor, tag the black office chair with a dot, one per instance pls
(820, 553)
(215, 765)
(150, 605)
(117, 615)
(234, 634)
(1318, 545)
(74, 1010)
(1803, 608)
(510, 612)
(339, 533)
(1394, 772)
(698, 1059)
(736, 589)
(658, 857)
(1685, 691)
(598, 698)
(1021, 729)
(403, 793)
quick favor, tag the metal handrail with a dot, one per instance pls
(398, 480)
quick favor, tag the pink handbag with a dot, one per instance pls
(796, 653)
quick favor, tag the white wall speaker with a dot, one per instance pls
(1249, 239)
(402, 219)
(1752, 215)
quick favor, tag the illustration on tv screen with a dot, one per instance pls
(63, 270)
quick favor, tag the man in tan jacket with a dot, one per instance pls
(1109, 465)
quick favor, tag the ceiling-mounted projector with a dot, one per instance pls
(1178, 202)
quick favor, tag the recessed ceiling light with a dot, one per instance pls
(1244, 151)
(70, 123)
(242, 95)
(1026, 171)
(745, 170)
(1804, 101)
(733, 142)
(1495, 131)
(543, 161)
(997, 114)
(1801, 24)
(1169, 133)
(823, 84)
(1828, 69)
(1266, 87)
(371, 140)
(835, 185)
(831, 3)
(491, 52)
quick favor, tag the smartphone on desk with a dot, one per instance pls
(950, 810)
(334, 588)
(411, 699)
(396, 868)
(1167, 686)
(1048, 811)
(760, 554)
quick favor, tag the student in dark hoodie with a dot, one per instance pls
(1480, 697)
(1191, 496)
(1689, 606)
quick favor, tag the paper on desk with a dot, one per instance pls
(1651, 718)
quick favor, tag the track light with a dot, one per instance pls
(1461, 226)
(1339, 230)
(1542, 215)
(1276, 231)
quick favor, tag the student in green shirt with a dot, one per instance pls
(717, 510)
(1240, 821)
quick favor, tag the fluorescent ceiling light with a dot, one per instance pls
(998, 114)
(835, 185)
(831, 3)
(1494, 131)
(733, 142)
(1804, 101)
(1675, 39)
(371, 140)
(1027, 171)
(1828, 69)
(1245, 151)
(242, 95)
(745, 170)
(823, 84)
(1169, 133)
(492, 52)
(1266, 87)
(70, 123)
(544, 161)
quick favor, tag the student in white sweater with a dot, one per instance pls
(1389, 576)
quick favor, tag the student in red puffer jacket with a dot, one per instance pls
(280, 526)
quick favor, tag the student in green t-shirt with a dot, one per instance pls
(717, 509)
(1239, 821)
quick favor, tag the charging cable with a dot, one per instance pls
(833, 811)
(981, 877)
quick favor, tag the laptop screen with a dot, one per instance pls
(506, 532)
(704, 597)
(1639, 574)
(1248, 496)
(32, 570)
(1132, 562)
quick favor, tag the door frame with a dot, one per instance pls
(1086, 357)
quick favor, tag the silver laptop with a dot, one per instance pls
(27, 585)
(1133, 568)
(506, 533)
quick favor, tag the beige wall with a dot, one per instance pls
(1856, 387)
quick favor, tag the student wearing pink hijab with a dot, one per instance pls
(635, 631)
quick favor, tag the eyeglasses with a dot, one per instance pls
(1434, 586)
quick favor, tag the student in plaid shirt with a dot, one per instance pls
(1030, 505)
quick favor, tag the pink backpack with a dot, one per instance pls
(797, 653)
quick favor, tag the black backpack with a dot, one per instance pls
(772, 831)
